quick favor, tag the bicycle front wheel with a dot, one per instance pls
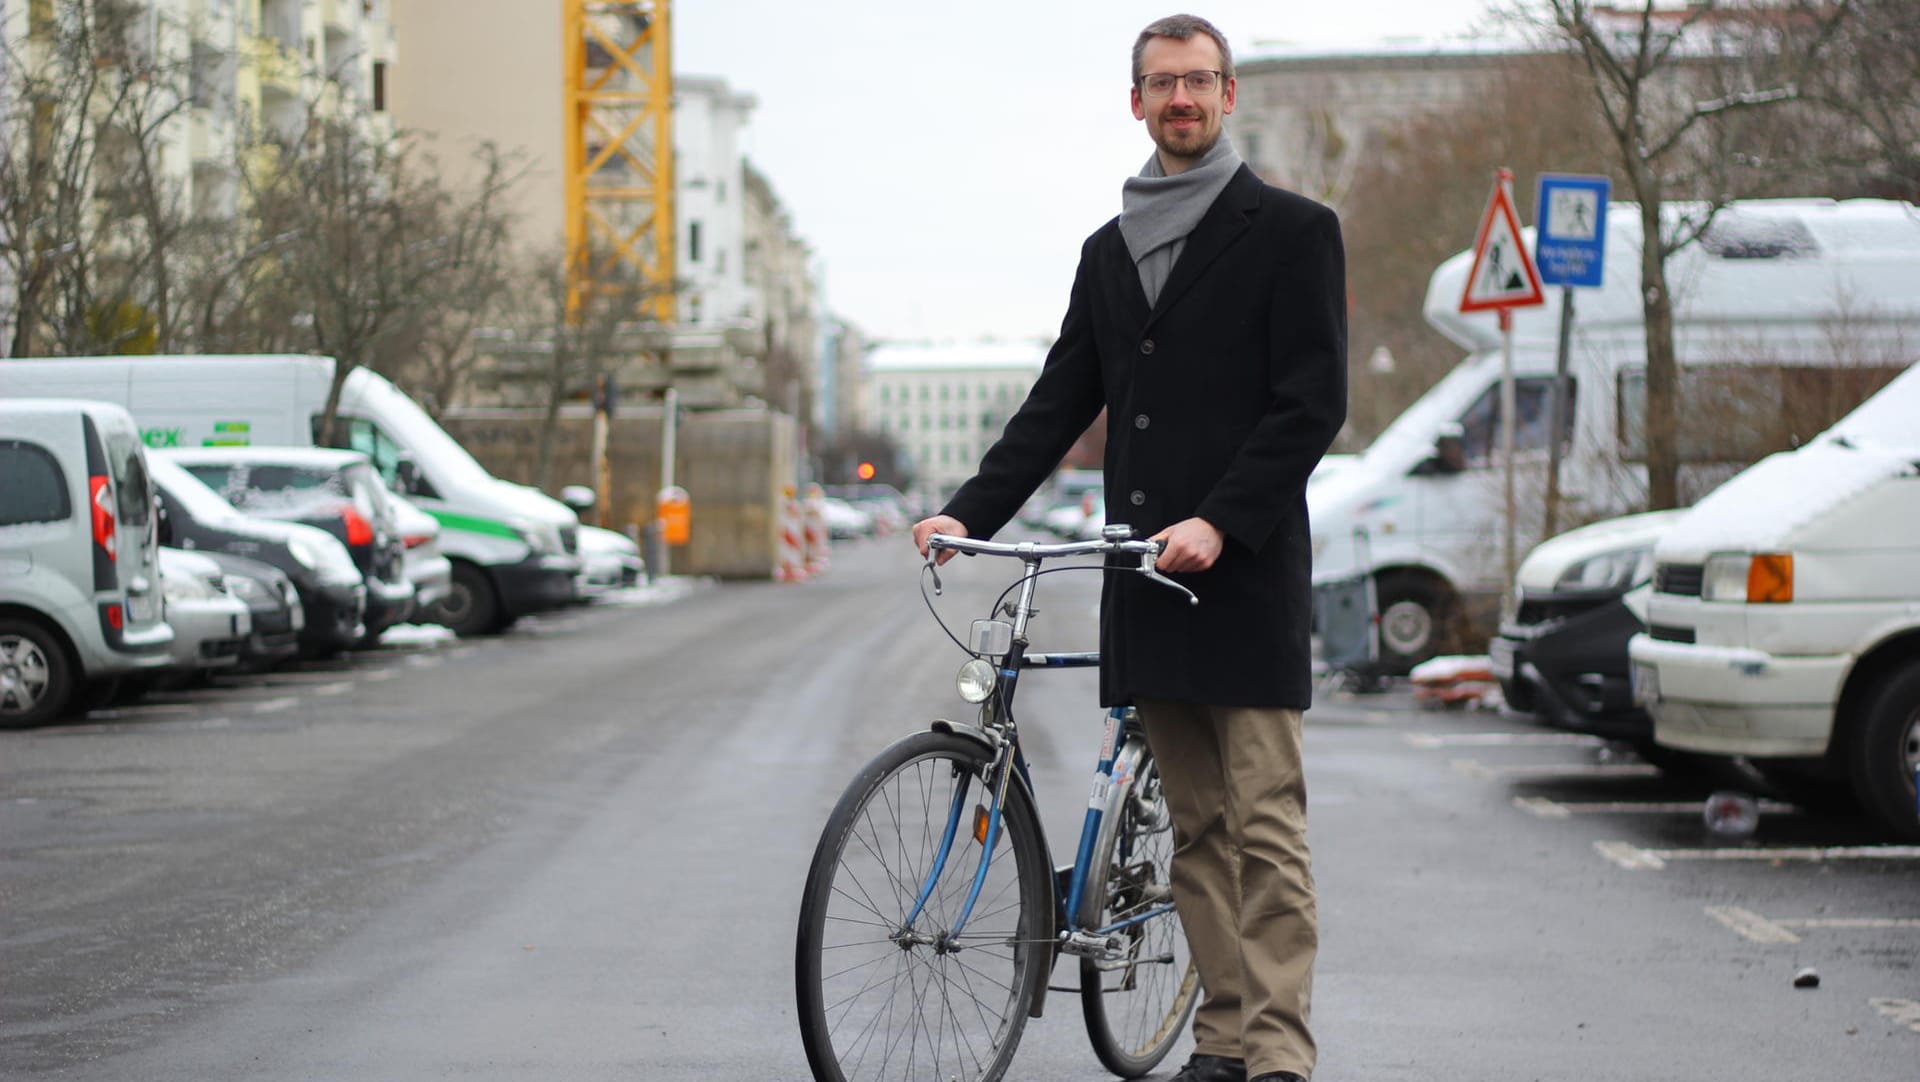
(1138, 998)
(882, 996)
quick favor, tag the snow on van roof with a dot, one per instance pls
(1763, 261)
(951, 356)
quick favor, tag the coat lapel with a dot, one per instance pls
(1222, 224)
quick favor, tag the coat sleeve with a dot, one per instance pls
(1063, 402)
(1307, 387)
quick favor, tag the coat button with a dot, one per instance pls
(1146, 346)
(1137, 498)
(1140, 421)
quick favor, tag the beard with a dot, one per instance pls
(1192, 144)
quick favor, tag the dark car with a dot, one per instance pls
(1563, 654)
(337, 491)
(333, 598)
(274, 601)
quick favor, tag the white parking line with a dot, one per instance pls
(1628, 855)
(1904, 1012)
(1473, 768)
(274, 706)
(340, 688)
(1555, 809)
(1500, 740)
(1751, 925)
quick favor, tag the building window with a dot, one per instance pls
(379, 86)
(693, 242)
(946, 392)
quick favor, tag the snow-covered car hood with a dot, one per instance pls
(1551, 558)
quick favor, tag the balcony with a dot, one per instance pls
(276, 68)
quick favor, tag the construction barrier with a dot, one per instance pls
(792, 565)
(819, 555)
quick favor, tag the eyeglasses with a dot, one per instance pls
(1158, 84)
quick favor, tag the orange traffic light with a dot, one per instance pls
(864, 471)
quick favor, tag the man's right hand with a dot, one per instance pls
(927, 527)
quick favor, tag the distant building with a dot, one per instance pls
(944, 405)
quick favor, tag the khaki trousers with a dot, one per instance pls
(1242, 877)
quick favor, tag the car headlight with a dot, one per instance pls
(178, 588)
(1609, 571)
(976, 680)
(333, 562)
(535, 538)
(1764, 578)
(244, 588)
(304, 555)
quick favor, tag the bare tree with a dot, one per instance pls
(1673, 87)
(1870, 84)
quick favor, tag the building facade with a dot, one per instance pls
(944, 405)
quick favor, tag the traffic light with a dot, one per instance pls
(864, 471)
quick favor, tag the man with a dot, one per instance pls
(1209, 319)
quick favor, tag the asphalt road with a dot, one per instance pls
(576, 852)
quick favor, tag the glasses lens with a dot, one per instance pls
(1159, 84)
(1201, 82)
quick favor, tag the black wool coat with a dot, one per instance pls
(1220, 400)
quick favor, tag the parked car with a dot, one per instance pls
(333, 597)
(1579, 598)
(80, 597)
(428, 569)
(1784, 625)
(273, 602)
(337, 491)
(610, 561)
(210, 625)
(844, 520)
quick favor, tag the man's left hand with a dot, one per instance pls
(1191, 545)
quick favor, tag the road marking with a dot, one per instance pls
(274, 706)
(340, 688)
(380, 674)
(1853, 922)
(1473, 768)
(1500, 740)
(1903, 1012)
(1628, 855)
(1555, 809)
(1751, 925)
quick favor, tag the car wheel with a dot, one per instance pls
(1414, 611)
(472, 606)
(1884, 753)
(36, 679)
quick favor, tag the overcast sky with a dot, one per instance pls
(944, 159)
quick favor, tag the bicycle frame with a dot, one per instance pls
(1111, 782)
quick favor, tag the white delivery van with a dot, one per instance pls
(1785, 620)
(514, 549)
(1787, 314)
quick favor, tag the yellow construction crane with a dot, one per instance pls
(619, 130)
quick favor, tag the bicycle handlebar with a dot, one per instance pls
(1033, 552)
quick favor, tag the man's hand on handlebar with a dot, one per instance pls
(927, 527)
(1189, 545)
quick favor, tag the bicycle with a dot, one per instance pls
(928, 935)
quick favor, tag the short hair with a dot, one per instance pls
(1182, 28)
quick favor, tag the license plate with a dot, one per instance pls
(140, 608)
(1646, 685)
(1500, 658)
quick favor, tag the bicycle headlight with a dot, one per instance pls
(976, 680)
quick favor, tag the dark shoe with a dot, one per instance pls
(1212, 1069)
(1278, 1076)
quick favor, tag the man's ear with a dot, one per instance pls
(1139, 108)
(1226, 102)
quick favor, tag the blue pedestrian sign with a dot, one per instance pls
(1570, 245)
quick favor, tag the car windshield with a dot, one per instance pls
(277, 489)
(190, 493)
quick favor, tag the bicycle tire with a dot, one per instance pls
(851, 969)
(1136, 1014)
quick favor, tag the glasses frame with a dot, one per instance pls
(1219, 81)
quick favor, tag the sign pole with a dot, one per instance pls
(1508, 408)
(1559, 413)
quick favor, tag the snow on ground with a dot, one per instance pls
(415, 635)
(658, 592)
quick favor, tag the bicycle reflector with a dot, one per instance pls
(976, 680)
(994, 637)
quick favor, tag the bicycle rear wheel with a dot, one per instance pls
(880, 1000)
(1138, 1002)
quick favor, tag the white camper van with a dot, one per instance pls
(1785, 620)
(1787, 314)
(514, 550)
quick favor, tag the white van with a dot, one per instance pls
(1785, 620)
(1787, 314)
(514, 549)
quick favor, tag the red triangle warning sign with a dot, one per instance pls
(1503, 274)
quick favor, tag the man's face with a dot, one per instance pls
(1183, 125)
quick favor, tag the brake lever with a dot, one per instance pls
(933, 568)
(1153, 573)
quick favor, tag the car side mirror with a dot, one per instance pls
(162, 521)
(1449, 454)
(579, 497)
(406, 476)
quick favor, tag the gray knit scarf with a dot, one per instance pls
(1157, 211)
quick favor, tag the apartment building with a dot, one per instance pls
(944, 405)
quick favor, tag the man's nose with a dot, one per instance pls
(1181, 95)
